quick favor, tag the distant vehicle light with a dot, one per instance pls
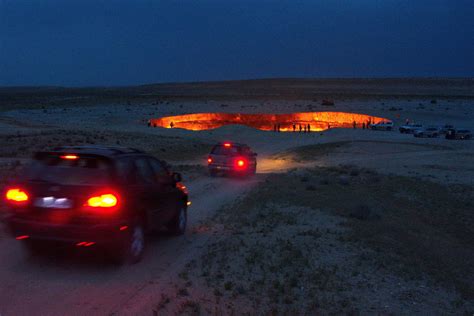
(188, 203)
(209, 160)
(71, 157)
(16, 195)
(227, 144)
(22, 237)
(103, 200)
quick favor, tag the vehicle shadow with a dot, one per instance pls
(53, 256)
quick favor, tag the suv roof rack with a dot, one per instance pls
(232, 143)
(114, 149)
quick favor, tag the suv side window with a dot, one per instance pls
(245, 150)
(143, 171)
(125, 171)
(158, 168)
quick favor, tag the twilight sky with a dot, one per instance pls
(118, 42)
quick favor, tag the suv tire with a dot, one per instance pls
(132, 247)
(178, 225)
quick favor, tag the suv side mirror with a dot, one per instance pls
(177, 177)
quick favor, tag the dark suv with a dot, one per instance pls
(89, 195)
(232, 158)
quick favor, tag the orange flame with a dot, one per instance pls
(318, 121)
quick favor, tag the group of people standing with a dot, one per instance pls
(302, 128)
(364, 124)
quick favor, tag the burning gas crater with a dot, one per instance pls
(318, 121)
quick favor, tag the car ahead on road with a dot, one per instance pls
(458, 134)
(382, 126)
(94, 195)
(444, 129)
(409, 128)
(427, 132)
(232, 159)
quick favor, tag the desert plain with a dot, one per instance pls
(349, 221)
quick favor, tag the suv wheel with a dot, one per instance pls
(34, 247)
(178, 224)
(253, 171)
(132, 247)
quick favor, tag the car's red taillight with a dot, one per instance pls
(209, 160)
(104, 200)
(240, 163)
(16, 195)
(70, 157)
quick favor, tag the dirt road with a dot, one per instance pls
(82, 283)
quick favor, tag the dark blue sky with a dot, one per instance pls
(113, 42)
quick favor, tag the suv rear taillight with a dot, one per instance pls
(240, 163)
(16, 196)
(209, 160)
(104, 200)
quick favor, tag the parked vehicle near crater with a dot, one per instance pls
(409, 128)
(462, 134)
(429, 132)
(382, 126)
(444, 129)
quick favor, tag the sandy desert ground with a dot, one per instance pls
(340, 221)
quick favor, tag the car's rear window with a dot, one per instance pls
(80, 171)
(225, 151)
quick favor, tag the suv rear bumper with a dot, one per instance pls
(220, 168)
(98, 232)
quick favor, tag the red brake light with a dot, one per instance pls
(69, 157)
(227, 144)
(209, 160)
(103, 200)
(240, 163)
(16, 195)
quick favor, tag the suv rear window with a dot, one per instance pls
(225, 151)
(80, 171)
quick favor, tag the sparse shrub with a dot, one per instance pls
(183, 292)
(361, 212)
(344, 180)
(354, 172)
(191, 308)
(228, 286)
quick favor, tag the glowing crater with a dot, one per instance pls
(317, 121)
